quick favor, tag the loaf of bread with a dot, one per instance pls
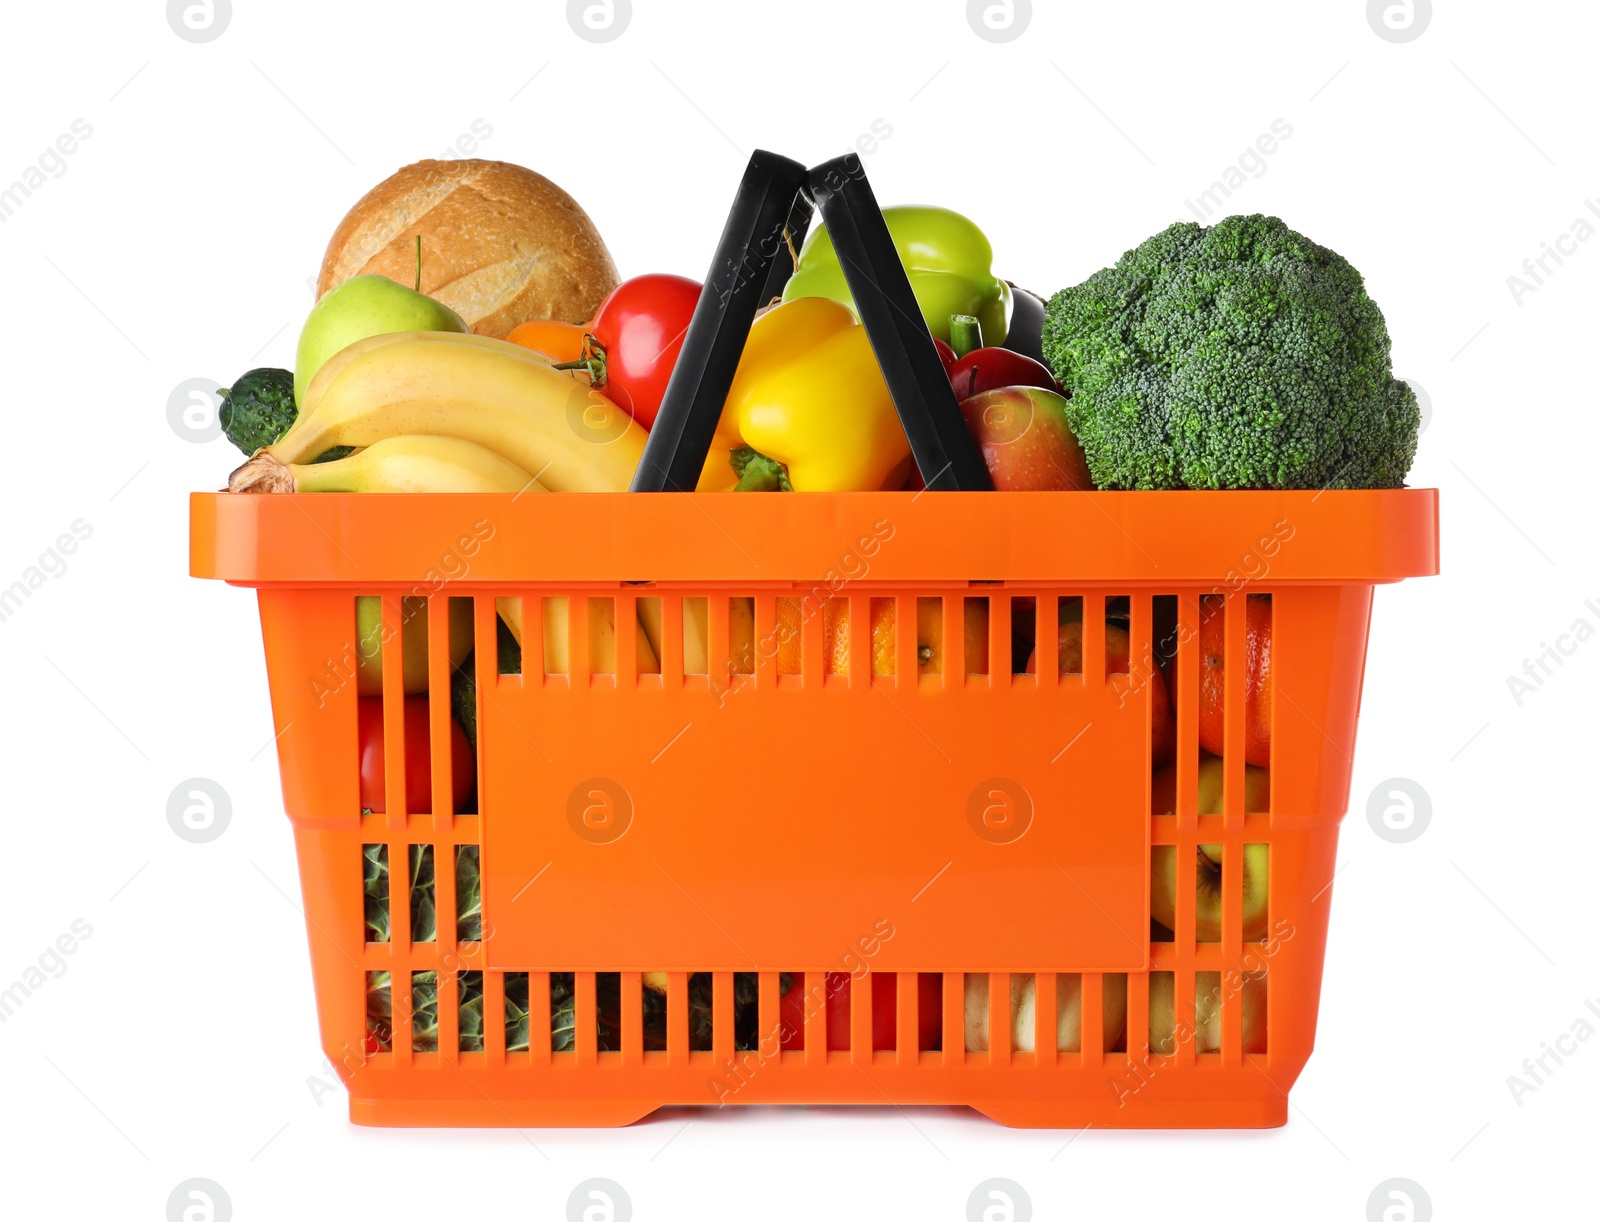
(500, 244)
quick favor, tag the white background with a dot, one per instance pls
(178, 243)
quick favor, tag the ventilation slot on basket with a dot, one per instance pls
(1163, 892)
(380, 1020)
(1257, 876)
(414, 644)
(1163, 1019)
(1208, 1003)
(424, 925)
(603, 630)
(425, 1011)
(1069, 1012)
(557, 635)
(1069, 635)
(1252, 1002)
(469, 1011)
(517, 1019)
(882, 611)
(975, 986)
(509, 632)
(563, 1011)
(930, 1011)
(701, 1011)
(929, 630)
(1024, 633)
(653, 1011)
(375, 888)
(1114, 1011)
(608, 1011)
(696, 636)
(741, 635)
(974, 636)
(469, 894)
(648, 612)
(1117, 641)
(787, 632)
(836, 636)
(746, 1012)
(1210, 884)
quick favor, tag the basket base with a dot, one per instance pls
(1154, 1114)
(498, 1114)
(1013, 1113)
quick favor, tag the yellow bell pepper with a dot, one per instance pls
(808, 410)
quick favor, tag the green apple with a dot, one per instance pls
(1208, 858)
(363, 306)
(414, 642)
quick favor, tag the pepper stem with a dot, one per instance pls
(418, 285)
(966, 334)
(757, 472)
(591, 359)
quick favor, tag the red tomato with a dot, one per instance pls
(640, 326)
(419, 761)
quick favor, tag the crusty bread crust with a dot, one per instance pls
(500, 243)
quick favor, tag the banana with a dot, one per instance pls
(414, 464)
(332, 367)
(499, 395)
(696, 633)
(602, 636)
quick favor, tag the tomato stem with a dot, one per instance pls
(591, 359)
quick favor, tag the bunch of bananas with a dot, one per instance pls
(438, 411)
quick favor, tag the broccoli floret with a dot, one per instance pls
(1239, 356)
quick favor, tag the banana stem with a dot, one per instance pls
(261, 472)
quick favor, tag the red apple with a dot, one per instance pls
(1026, 441)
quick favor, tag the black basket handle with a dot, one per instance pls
(736, 287)
(752, 265)
(943, 448)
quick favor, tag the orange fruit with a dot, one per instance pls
(974, 636)
(1069, 661)
(835, 612)
(792, 614)
(560, 341)
(1257, 677)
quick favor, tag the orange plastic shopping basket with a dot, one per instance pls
(833, 864)
(816, 797)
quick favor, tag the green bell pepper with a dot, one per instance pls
(946, 258)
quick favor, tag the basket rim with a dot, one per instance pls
(1133, 540)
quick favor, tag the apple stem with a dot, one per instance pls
(966, 334)
(418, 285)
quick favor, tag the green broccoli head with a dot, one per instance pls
(1239, 356)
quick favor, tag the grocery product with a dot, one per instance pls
(808, 409)
(417, 463)
(358, 308)
(501, 244)
(946, 258)
(495, 394)
(1026, 441)
(1240, 356)
(257, 409)
(1208, 864)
